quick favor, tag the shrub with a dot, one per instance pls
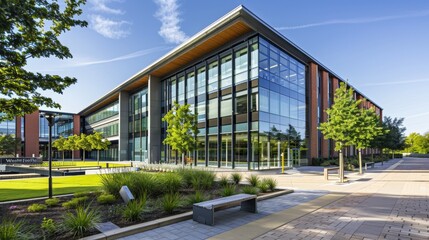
(75, 202)
(250, 190)
(48, 226)
(133, 210)
(170, 201)
(228, 190)
(81, 221)
(142, 183)
(36, 207)
(271, 183)
(223, 181)
(82, 194)
(11, 229)
(112, 183)
(106, 199)
(263, 187)
(253, 180)
(196, 198)
(51, 202)
(197, 179)
(236, 178)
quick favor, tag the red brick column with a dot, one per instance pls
(313, 111)
(31, 134)
(76, 130)
(325, 103)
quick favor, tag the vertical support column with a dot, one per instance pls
(325, 97)
(154, 119)
(31, 134)
(312, 112)
(18, 134)
(76, 130)
(123, 126)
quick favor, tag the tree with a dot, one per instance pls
(417, 143)
(99, 143)
(343, 122)
(60, 145)
(71, 144)
(31, 29)
(9, 144)
(181, 129)
(394, 138)
(84, 144)
(368, 128)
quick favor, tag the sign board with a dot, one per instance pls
(126, 194)
(20, 160)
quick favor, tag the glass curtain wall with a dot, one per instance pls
(137, 124)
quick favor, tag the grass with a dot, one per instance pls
(38, 187)
(79, 163)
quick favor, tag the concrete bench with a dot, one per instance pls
(328, 169)
(372, 164)
(203, 212)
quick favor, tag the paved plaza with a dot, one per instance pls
(387, 202)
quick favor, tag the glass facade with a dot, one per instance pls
(63, 126)
(107, 112)
(137, 123)
(250, 101)
(7, 127)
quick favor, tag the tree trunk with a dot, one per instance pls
(98, 157)
(84, 155)
(341, 171)
(72, 155)
(183, 159)
(360, 161)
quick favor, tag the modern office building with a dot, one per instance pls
(256, 94)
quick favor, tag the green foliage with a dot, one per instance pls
(181, 128)
(393, 137)
(196, 198)
(48, 226)
(228, 190)
(253, 180)
(171, 182)
(106, 199)
(263, 186)
(368, 127)
(60, 145)
(81, 221)
(223, 181)
(9, 144)
(36, 207)
(417, 143)
(197, 179)
(82, 194)
(72, 144)
(133, 210)
(343, 115)
(75, 202)
(170, 201)
(52, 202)
(98, 143)
(83, 143)
(250, 190)
(236, 178)
(29, 30)
(270, 182)
(11, 229)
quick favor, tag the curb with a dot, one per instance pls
(142, 227)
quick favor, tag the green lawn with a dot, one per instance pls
(38, 187)
(78, 163)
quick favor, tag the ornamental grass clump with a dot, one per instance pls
(80, 221)
(170, 202)
(170, 182)
(36, 207)
(271, 183)
(52, 202)
(196, 198)
(250, 190)
(223, 181)
(253, 180)
(134, 209)
(11, 229)
(263, 187)
(197, 179)
(236, 178)
(228, 190)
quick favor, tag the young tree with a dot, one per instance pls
(181, 129)
(394, 138)
(343, 122)
(99, 143)
(71, 144)
(9, 144)
(83, 143)
(60, 145)
(31, 29)
(417, 143)
(368, 128)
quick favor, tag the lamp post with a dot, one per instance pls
(50, 117)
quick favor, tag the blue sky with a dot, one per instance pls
(381, 47)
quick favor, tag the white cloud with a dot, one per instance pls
(124, 57)
(168, 14)
(356, 20)
(100, 6)
(109, 28)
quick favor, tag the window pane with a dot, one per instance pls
(190, 82)
(264, 95)
(213, 77)
(201, 110)
(213, 108)
(226, 71)
(241, 65)
(274, 102)
(226, 106)
(241, 102)
(201, 78)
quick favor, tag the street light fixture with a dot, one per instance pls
(50, 117)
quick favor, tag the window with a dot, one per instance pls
(201, 110)
(213, 108)
(226, 71)
(201, 78)
(264, 95)
(241, 65)
(254, 100)
(274, 103)
(254, 61)
(190, 85)
(181, 89)
(284, 106)
(241, 102)
(226, 106)
(213, 77)
(173, 90)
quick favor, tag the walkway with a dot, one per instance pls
(389, 202)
